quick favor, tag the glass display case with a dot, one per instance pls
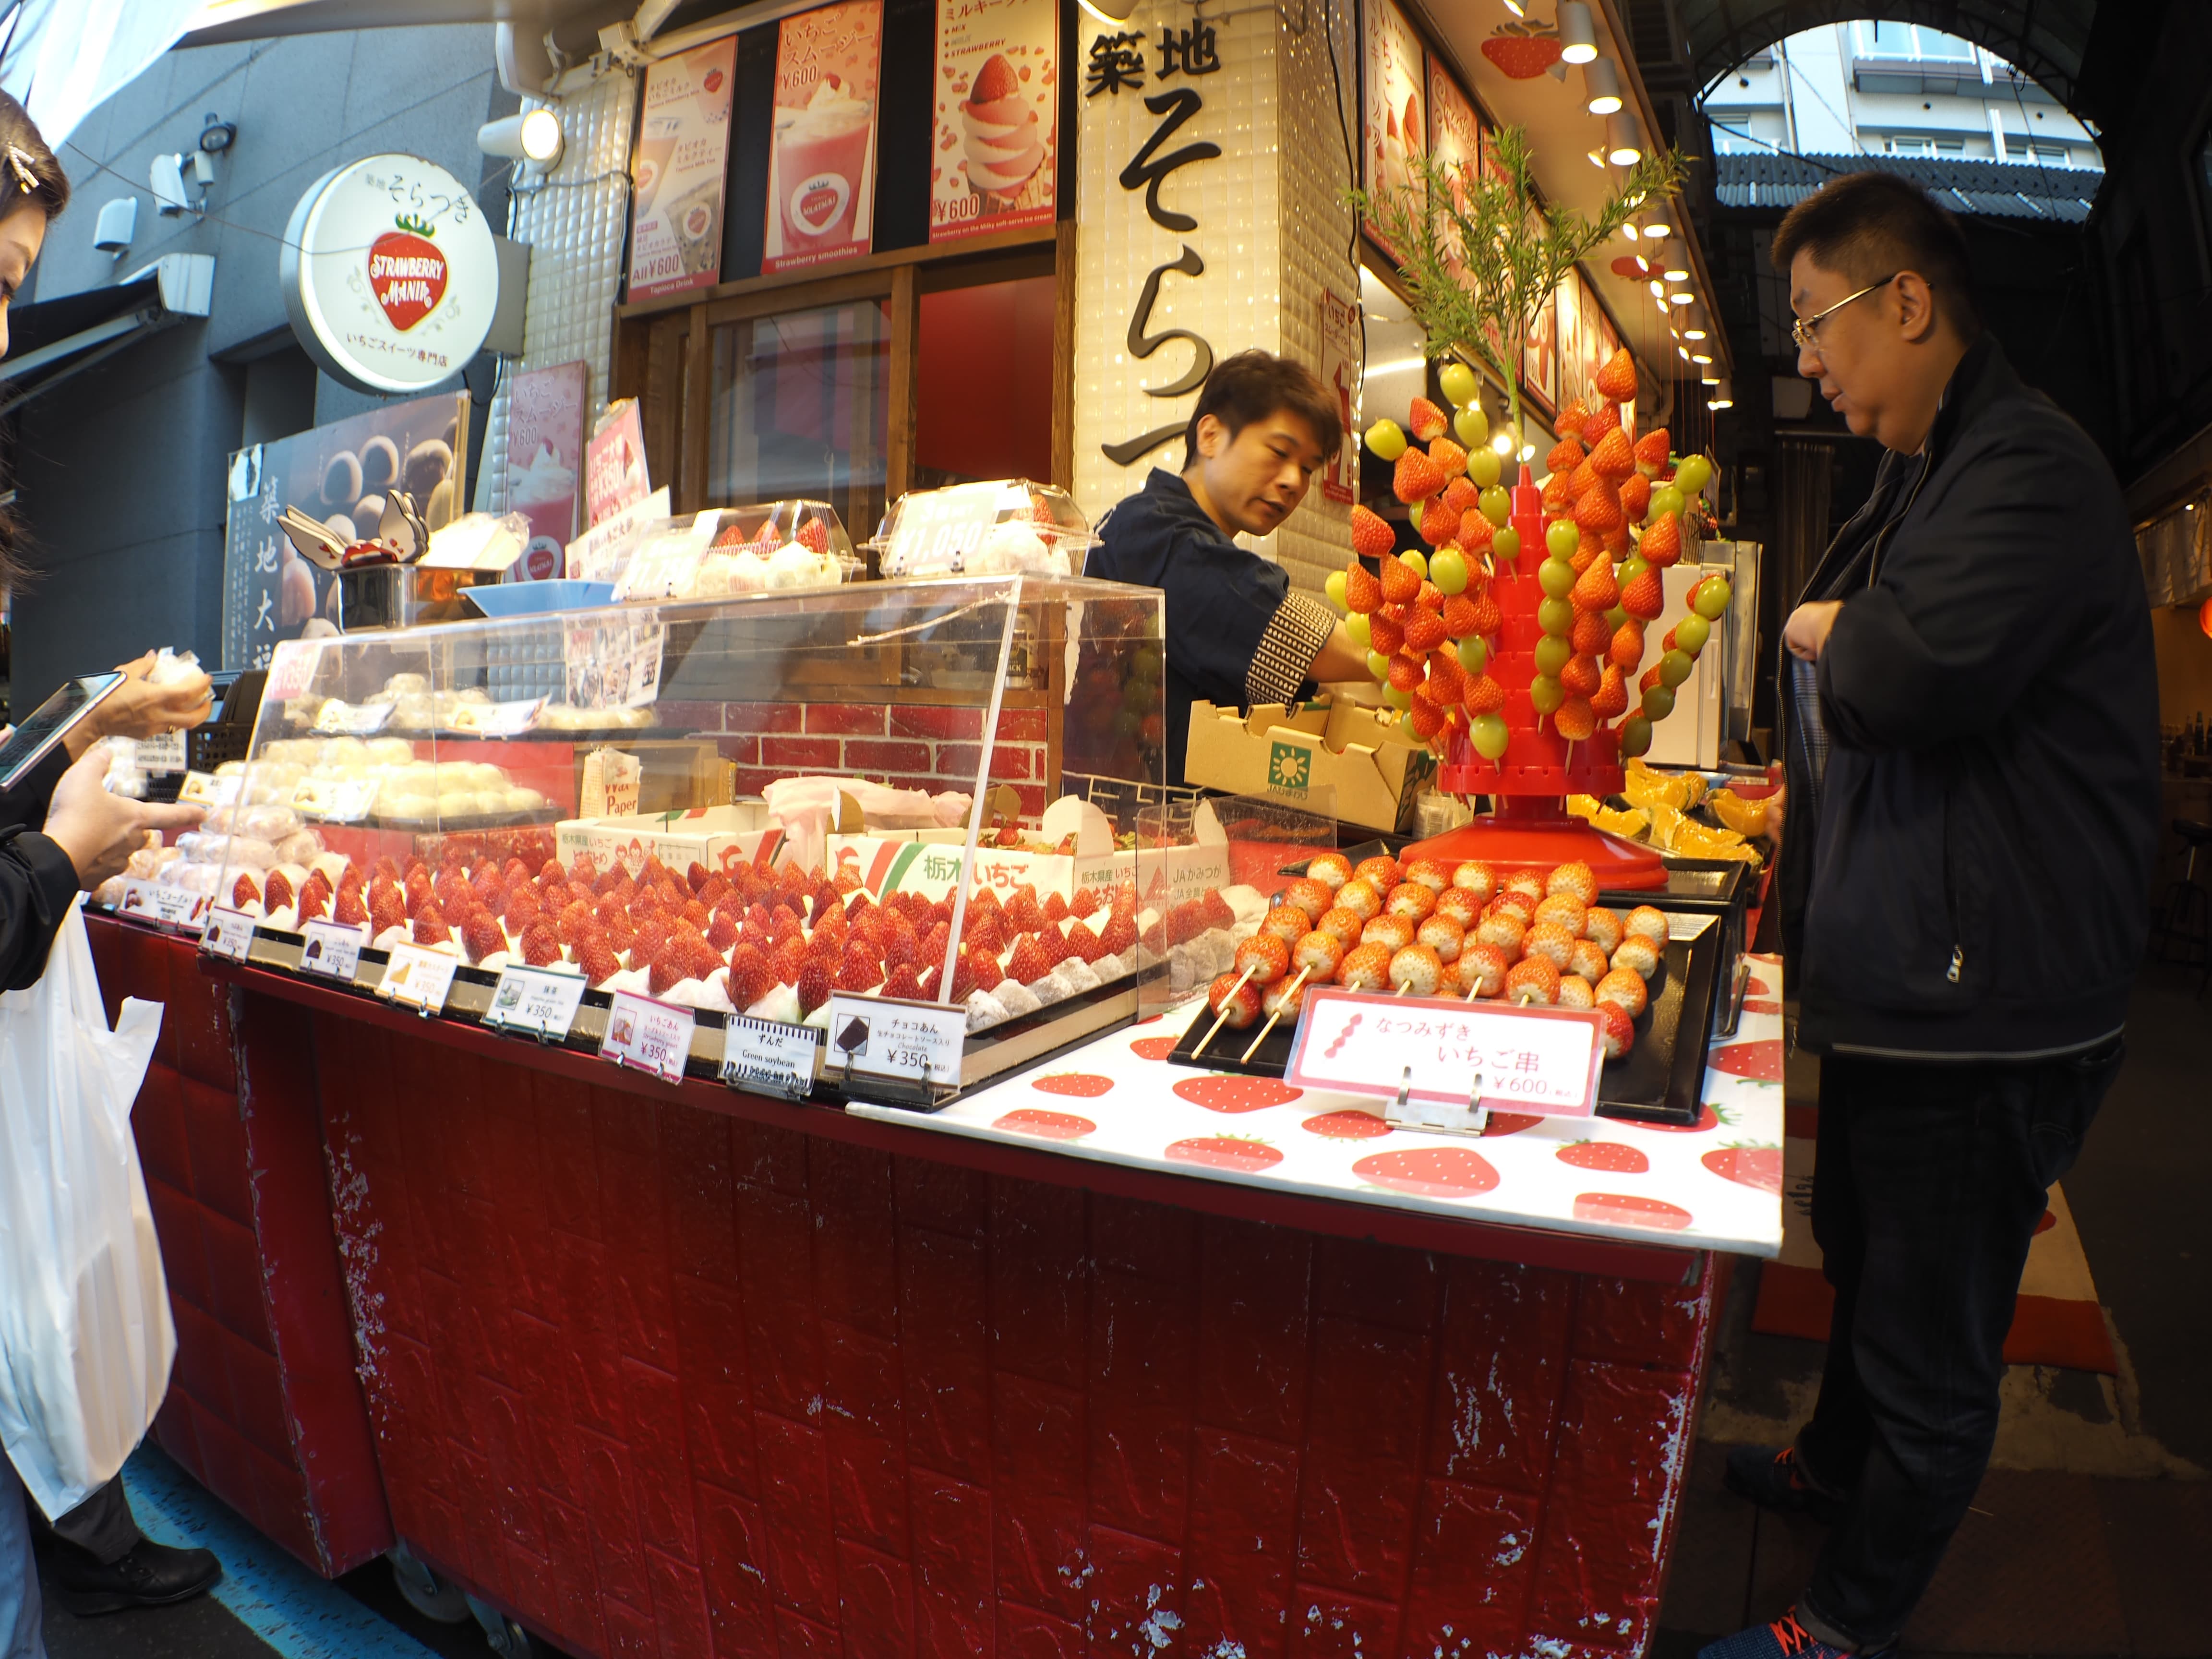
(941, 791)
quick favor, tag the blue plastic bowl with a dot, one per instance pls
(529, 598)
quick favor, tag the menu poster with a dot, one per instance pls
(1396, 133)
(614, 461)
(822, 155)
(677, 181)
(544, 456)
(1567, 307)
(1539, 357)
(1343, 349)
(1455, 137)
(339, 474)
(993, 164)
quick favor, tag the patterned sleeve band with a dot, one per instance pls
(1301, 627)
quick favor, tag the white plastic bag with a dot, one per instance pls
(85, 1341)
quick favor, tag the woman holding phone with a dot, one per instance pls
(61, 833)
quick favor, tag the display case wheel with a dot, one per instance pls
(423, 1591)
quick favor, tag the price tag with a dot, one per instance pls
(769, 1056)
(535, 1002)
(495, 720)
(332, 949)
(938, 532)
(418, 978)
(164, 752)
(228, 934)
(334, 800)
(205, 789)
(167, 906)
(1450, 1053)
(137, 901)
(336, 719)
(292, 669)
(653, 1037)
(919, 1041)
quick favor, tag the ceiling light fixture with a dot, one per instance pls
(1624, 143)
(1601, 86)
(1673, 263)
(1577, 35)
(1724, 395)
(1682, 298)
(1694, 325)
(1701, 358)
(1659, 222)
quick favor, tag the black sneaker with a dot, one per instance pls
(151, 1575)
(1776, 1481)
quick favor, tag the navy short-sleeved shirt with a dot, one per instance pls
(1235, 629)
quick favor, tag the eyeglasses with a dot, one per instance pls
(1806, 330)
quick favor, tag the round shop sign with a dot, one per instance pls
(390, 274)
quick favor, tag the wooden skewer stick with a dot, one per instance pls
(1288, 994)
(1215, 1030)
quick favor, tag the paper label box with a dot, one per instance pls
(716, 836)
(1295, 753)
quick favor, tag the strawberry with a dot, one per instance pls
(1484, 696)
(1580, 676)
(1566, 454)
(243, 892)
(1459, 617)
(1119, 935)
(815, 981)
(1082, 943)
(1643, 599)
(1652, 453)
(1572, 416)
(1425, 631)
(1591, 634)
(1446, 682)
(1522, 56)
(1475, 531)
(1054, 946)
(1425, 421)
(1461, 494)
(985, 935)
(1024, 914)
(481, 936)
(1488, 619)
(386, 908)
(1627, 647)
(1028, 963)
(1602, 422)
(1607, 1155)
(539, 947)
(814, 535)
(963, 977)
(1055, 907)
(1617, 380)
(574, 922)
(1416, 477)
(696, 913)
(722, 930)
(585, 868)
(597, 960)
(521, 906)
(1361, 592)
(859, 971)
(1663, 542)
(314, 899)
(1399, 585)
(1635, 496)
(1084, 905)
(1406, 671)
(1450, 458)
(1588, 551)
(1425, 717)
(934, 941)
(902, 981)
(789, 959)
(430, 925)
(1154, 940)
(1599, 511)
(1558, 495)
(1386, 634)
(1574, 719)
(1596, 589)
(350, 911)
(1611, 698)
(748, 984)
(1439, 522)
(1614, 458)
(1650, 679)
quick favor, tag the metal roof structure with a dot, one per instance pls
(2002, 190)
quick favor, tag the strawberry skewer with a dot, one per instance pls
(1287, 999)
(1227, 1005)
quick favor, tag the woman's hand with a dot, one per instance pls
(137, 709)
(98, 831)
(1806, 633)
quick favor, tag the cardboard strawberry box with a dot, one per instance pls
(1306, 752)
(716, 836)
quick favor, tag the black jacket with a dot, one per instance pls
(1970, 879)
(37, 881)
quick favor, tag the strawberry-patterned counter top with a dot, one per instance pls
(1716, 1186)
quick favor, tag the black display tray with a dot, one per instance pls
(1658, 1081)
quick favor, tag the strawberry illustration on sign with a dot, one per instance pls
(1620, 1210)
(1152, 1048)
(1748, 1165)
(1220, 1093)
(406, 272)
(1760, 1061)
(1084, 1084)
(1347, 1126)
(1053, 1125)
(1224, 1153)
(1521, 51)
(1603, 1154)
(1432, 1172)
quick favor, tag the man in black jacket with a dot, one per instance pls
(1969, 729)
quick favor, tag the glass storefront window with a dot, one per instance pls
(985, 391)
(798, 401)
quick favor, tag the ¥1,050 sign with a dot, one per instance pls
(390, 274)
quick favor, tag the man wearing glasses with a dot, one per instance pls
(1970, 727)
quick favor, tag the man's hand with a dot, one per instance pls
(99, 831)
(136, 708)
(1806, 633)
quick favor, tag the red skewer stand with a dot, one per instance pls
(1531, 781)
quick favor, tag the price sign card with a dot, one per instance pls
(1444, 1052)
(535, 1002)
(162, 752)
(332, 949)
(205, 789)
(418, 978)
(165, 906)
(936, 532)
(496, 719)
(769, 1056)
(363, 720)
(334, 800)
(292, 669)
(653, 1037)
(228, 934)
(921, 1042)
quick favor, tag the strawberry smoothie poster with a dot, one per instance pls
(1454, 133)
(544, 458)
(993, 164)
(677, 179)
(821, 169)
(1397, 132)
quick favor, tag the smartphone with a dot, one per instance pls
(51, 722)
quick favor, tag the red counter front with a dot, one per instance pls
(686, 1373)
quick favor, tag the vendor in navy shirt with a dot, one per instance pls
(1236, 634)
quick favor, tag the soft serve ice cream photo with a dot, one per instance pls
(820, 166)
(992, 164)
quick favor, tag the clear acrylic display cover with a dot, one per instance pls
(1000, 528)
(737, 551)
(618, 793)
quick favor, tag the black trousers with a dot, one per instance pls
(1931, 1179)
(102, 1526)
